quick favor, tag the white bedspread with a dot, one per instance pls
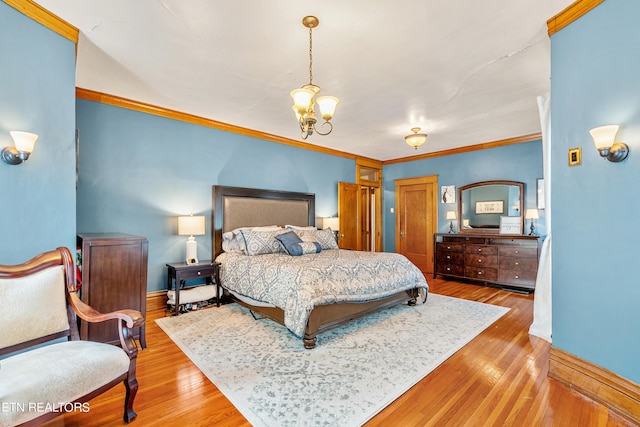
(297, 284)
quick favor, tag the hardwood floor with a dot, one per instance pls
(499, 379)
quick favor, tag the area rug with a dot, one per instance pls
(353, 373)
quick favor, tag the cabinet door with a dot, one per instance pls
(114, 278)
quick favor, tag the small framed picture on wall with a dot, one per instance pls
(448, 194)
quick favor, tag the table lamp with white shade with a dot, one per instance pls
(191, 226)
(330, 222)
(531, 214)
(451, 215)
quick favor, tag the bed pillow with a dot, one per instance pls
(297, 227)
(233, 241)
(259, 242)
(326, 237)
(295, 246)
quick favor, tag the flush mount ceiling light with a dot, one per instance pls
(416, 139)
(303, 98)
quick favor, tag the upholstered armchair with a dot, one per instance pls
(45, 369)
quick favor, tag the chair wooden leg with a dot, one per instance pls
(131, 385)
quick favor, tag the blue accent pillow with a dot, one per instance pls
(295, 246)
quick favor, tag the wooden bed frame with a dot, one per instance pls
(235, 207)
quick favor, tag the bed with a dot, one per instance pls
(324, 288)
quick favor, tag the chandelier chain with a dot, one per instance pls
(310, 56)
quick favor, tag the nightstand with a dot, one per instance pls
(179, 273)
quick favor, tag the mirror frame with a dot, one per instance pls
(520, 185)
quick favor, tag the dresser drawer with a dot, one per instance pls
(481, 249)
(481, 260)
(450, 257)
(518, 251)
(518, 264)
(518, 278)
(489, 274)
(449, 247)
(450, 269)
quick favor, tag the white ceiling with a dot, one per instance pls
(465, 71)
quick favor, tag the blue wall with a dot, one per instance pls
(37, 94)
(596, 289)
(518, 162)
(138, 172)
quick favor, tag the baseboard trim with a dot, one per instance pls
(156, 300)
(618, 393)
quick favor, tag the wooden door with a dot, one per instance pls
(367, 227)
(416, 220)
(348, 212)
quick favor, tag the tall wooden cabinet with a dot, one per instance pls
(114, 277)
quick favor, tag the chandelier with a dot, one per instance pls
(416, 139)
(303, 98)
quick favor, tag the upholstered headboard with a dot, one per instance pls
(235, 207)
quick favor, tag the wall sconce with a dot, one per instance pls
(191, 226)
(531, 214)
(451, 215)
(604, 137)
(24, 142)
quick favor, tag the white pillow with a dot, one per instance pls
(232, 242)
(297, 227)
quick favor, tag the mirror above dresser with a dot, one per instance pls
(482, 204)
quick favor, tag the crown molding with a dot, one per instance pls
(469, 148)
(190, 118)
(571, 13)
(117, 101)
(46, 18)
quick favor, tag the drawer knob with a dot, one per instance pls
(517, 252)
(480, 260)
(517, 277)
(448, 268)
(448, 256)
(479, 249)
(517, 263)
(198, 273)
(479, 273)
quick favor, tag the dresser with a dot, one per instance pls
(114, 277)
(505, 260)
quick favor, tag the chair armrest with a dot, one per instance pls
(133, 318)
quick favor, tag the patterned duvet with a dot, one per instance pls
(297, 284)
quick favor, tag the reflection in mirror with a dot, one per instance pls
(481, 205)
